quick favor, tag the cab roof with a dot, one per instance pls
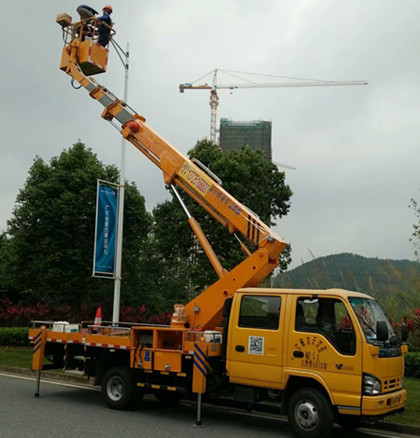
(320, 292)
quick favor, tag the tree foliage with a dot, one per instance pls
(49, 240)
(46, 253)
(252, 180)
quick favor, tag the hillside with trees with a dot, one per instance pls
(395, 283)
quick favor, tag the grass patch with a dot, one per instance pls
(16, 356)
(412, 406)
(22, 357)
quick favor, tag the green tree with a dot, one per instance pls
(50, 235)
(254, 181)
(7, 288)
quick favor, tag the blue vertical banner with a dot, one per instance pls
(105, 230)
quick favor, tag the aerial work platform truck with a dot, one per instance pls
(325, 356)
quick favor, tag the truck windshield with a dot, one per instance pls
(368, 312)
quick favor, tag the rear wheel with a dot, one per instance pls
(119, 388)
(310, 414)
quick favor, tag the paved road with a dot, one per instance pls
(73, 411)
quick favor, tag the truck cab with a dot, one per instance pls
(332, 352)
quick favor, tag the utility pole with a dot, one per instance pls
(120, 226)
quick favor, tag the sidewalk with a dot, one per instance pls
(387, 426)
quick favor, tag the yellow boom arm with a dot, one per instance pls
(205, 310)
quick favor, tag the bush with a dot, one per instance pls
(18, 314)
(161, 318)
(14, 336)
(412, 365)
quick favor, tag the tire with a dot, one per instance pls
(310, 413)
(348, 422)
(119, 389)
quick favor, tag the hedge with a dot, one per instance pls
(412, 365)
(14, 336)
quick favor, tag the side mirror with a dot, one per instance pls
(381, 331)
(404, 332)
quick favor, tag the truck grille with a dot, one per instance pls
(391, 384)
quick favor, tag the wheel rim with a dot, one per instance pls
(115, 388)
(306, 415)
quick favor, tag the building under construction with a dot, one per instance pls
(255, 134)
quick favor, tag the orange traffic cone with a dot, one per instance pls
(98, 319)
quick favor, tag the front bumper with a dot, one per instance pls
(383, 404)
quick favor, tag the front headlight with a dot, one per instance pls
(371, 385)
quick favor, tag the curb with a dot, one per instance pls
(47, 375)
(399, 428)
(406, 429)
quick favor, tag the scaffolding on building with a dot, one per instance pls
(256, 134)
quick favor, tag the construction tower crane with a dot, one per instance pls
(214, 98)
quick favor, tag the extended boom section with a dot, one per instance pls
(205, 310)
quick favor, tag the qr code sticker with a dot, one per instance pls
(256, 345)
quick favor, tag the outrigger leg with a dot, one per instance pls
(198, 422)
(38, 382)
(40, 339)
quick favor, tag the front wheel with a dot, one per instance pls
(310, 414)
(119, 388)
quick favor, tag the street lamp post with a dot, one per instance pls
(118, 259)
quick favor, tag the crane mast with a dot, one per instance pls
(214, 98)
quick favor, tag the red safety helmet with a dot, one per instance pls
(108, 8)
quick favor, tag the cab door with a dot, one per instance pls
(325, 345)
(255, 345)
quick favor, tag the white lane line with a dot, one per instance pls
(13, 376)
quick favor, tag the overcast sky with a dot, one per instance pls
(355, 149)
